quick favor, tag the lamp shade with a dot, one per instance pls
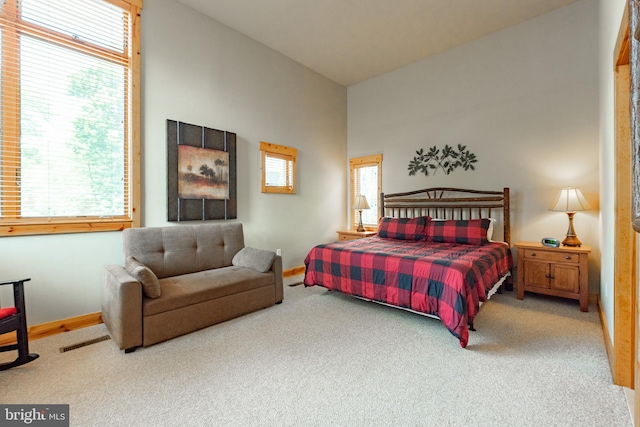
(361, 202)
(570, 200)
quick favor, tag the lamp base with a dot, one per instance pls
(360, 228)
(571, 239)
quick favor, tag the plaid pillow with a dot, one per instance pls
(469, 231)
(403, 228)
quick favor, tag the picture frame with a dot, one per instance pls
(201, 173)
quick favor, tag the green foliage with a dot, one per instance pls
(446, 159)
(98, 138)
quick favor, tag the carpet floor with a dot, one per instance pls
(325, 359)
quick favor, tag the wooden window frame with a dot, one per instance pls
(359, 162)
(12, 28)
(288, 154)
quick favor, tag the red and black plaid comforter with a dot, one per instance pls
(443, 279)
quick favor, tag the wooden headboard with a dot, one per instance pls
(450, 203)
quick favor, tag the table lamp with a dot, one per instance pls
(360, 204)
(570, 200)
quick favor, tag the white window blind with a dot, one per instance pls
(278, 168)
(66, 110)
(279, 171)
(366, 183)
(366, 179)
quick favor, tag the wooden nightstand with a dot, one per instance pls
(353, 234)
(561, 272)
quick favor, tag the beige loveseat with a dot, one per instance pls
(178, 279)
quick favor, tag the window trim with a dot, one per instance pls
(33, 226)
(268, 149)
(359, 162)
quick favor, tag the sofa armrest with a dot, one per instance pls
(276, 267)
(122, 306)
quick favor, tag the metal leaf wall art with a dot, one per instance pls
(446, 159)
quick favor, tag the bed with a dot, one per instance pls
(437, 252)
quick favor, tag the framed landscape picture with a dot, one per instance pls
(201, 171)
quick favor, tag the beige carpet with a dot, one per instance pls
(324, 359)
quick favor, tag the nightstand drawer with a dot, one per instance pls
(347, 237)
(352, 234)
(547, 255)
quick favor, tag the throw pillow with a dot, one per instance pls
(256, 259)
(469, 232)
(144, 275)
(490, 229)
(403, 228)
(7, 311)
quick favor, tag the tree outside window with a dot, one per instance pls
(70, 105)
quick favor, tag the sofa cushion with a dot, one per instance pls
(193, 288)
(7, 311)
(144, 275)
(258, 259)
(182, 249)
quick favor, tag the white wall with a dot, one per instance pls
(524, 100)
(610, 18)
(198, 71)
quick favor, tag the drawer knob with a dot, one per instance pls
(568, 256)
(533, 254)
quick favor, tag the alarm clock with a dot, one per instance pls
(551, 241)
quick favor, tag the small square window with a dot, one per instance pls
(278, 168)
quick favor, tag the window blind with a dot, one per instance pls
(366, 183)
(279, 171)
(366, 179)
(278, 164)
(65, 70)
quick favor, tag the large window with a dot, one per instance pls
(69, 115)
(366, 179)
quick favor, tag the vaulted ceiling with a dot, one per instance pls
(350, 41)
